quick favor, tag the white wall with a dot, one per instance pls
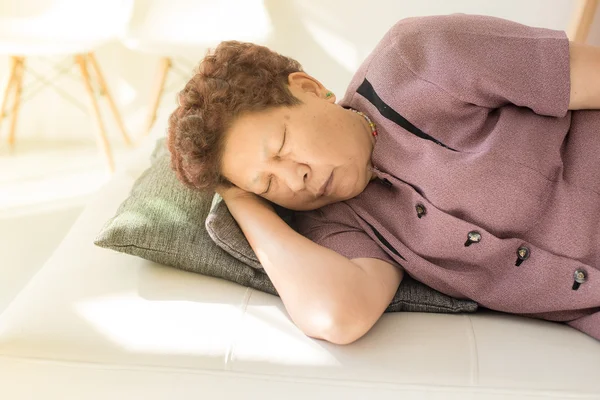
(330, 38)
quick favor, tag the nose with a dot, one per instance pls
(295, 175)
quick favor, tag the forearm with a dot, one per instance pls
(585, 77)
(310, 279)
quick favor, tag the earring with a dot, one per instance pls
(328, 94)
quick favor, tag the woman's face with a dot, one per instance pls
(302, 157)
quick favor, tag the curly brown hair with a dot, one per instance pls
(236, 78)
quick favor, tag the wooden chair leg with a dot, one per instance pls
(20, 71)
(8, 88)
(582, 20)
(111, 102)
(163, 70)
(101, 137)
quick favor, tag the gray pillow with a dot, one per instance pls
(164, 221)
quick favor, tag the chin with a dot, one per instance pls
(311, 205)
(346, 193)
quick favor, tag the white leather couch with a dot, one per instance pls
(96, 324)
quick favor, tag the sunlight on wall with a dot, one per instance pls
(341, 50)
(227, 19)
(198, 23)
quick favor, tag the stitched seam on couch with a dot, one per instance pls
(294, 379)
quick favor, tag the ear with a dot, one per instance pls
(301, 81)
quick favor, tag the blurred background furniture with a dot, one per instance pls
(35, 28)
(181, 31)
(582, 19)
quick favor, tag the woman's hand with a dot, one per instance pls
(233, 194)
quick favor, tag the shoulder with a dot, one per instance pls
(457, 22)
(459, 29)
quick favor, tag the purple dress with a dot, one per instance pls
(489, 187)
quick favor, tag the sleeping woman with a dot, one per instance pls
(464, 153)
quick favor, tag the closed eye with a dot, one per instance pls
(284, 136)
(269, 185)
(278, 153)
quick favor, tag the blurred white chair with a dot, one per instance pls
(581, 21)
(177, 30)
(61, 27)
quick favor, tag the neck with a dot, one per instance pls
(366, 127)
(368, 132)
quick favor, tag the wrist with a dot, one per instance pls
(245, 200)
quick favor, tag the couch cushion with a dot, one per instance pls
(96, 324)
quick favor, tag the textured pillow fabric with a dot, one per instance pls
(164, 221)
(228, 235)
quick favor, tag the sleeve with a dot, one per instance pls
(488, 61)
(335, 228)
